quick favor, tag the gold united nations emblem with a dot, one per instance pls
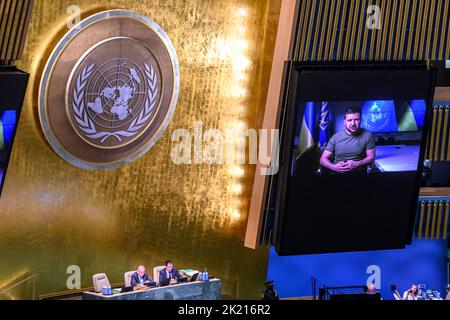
(108, 90)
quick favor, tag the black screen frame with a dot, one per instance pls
(301, 90)
(13, 85)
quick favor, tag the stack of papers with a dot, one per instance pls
(189, 272)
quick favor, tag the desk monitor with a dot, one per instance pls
(165, 282)
(127, 289)
(183, 280)
(150, 284)
(195, 277)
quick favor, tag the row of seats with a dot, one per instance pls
(101, 279)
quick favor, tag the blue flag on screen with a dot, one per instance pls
(306, 139)
(324, 125)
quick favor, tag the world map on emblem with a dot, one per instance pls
(113, 102)
(109, 90)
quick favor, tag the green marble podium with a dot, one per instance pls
(208, 290)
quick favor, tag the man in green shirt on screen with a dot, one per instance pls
(352, 149)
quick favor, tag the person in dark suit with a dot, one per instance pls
(140, 277)
(169, 272)
(269, 293)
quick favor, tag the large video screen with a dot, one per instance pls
(352, 149)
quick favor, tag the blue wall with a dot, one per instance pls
(422, 262)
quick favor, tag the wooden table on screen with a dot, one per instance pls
(199, 290)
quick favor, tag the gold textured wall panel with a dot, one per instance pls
(53, 215)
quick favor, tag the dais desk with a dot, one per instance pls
(199, 290)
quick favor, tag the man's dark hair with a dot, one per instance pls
(352, 110)
(167, 262)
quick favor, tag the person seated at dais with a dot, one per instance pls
(412, 293)
(169, 272)
(140, 277)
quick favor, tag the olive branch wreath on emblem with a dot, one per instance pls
(86, 124)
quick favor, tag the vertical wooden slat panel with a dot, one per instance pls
(438, 134)
(301, 30)
(333, 17)
(444, 29)
(439, 220)
(7, 27)
(311, 14)
(401, 53)
(373, 35)
(392, 23)
(418, 29)
(4, 16)
(447, 51)
(437, 27)
(364, 44)
(341, 31)
(423, 32)
(427, 223)
(381, 32)
(447, 206)
(20, 28)
(444, 136)
(433, 220)
(433, 130)
(304, 34)
(14, 28)
(2, 10)
(398, 30)
(335, 26)
(431, 20)
(23, 34)
(14, 20)
(318, 24)
(353, 33)
(362, 28)
(422, 213)
(324, 29)
(387, 21)
(348, 32)
(411, 29)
